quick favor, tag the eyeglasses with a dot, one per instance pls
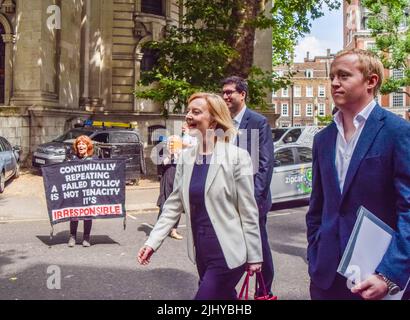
(228, 92)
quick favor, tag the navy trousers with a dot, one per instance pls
(337, 291)
(267, 265)
(216, 280)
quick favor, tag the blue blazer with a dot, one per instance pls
(378, 178)
(259, 144)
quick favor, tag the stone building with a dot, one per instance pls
(62, 62)
(309, 95)
(357, 35)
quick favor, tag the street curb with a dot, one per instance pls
(141, 211)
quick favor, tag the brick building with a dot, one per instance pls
(357, 35)
(309, 96)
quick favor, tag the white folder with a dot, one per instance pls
(367, 245)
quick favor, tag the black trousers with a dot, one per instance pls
(87, 228)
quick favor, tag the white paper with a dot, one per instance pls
(368, 250)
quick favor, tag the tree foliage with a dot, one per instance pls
(389, 23)
(216, 40)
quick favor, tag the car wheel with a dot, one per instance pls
(2, 182)
(17, 173)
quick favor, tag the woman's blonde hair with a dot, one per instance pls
(87, 141)
(219, 112)
(369, 64)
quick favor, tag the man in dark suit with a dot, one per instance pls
(255, 135)
(361, 159)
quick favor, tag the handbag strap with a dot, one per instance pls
(259, 281)
(245, 288)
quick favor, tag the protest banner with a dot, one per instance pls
(85, 189)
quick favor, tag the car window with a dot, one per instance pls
(101, 137)
(285, 156)
(72, 134)
(2, 148)
(292, 135)
(305, 155)
(123, 137)
(277, 134)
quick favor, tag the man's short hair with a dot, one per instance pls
(240, 84)
(369, 64)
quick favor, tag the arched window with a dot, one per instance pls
(149, 59)
(2, 64)
(153, 7)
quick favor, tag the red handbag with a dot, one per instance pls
(260, 283)
(244, 293)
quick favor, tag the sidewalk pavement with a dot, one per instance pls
(24, 199)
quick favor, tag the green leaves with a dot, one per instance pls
(216, 39)
(389, 23)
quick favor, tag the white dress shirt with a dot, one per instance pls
(238, 118)
(345, 149)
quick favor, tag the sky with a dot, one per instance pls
(326, 32)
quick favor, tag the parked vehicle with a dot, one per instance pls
(9, 162)
(300, 135)
(292, 174)
(112, 140)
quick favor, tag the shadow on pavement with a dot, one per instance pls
(90, 283)
(145, 227)
(289, 204)
(63, 236)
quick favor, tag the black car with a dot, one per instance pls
(109, 143)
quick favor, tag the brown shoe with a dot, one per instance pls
(175, 235)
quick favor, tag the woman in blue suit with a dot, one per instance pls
(214, 187)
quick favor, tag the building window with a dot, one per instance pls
(309, 110)
(297, 125)
(397, 100)
(370, 45)
(297, 91)
(149, 59)
(398, 74)
(365, 21)
(153, 7)
(285, 110)
(322, 91)
(309, 73)
(322, 109)
(285, 92)
(296, 110)
(309, 91)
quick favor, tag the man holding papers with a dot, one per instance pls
(361, 159)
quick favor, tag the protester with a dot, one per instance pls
(84, 150)
(214, 187)
(258, 141)
(361, 159)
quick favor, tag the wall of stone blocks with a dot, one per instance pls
(16, 130)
